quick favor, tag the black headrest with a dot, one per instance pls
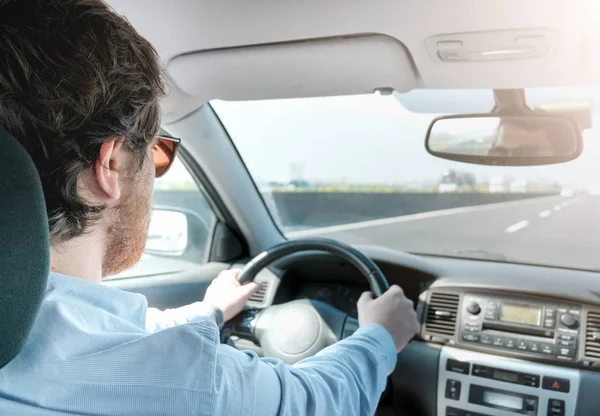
(24, 246)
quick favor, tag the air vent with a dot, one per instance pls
(441, 313)
(260, 295)
(592, 335)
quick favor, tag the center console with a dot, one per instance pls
(478, 384)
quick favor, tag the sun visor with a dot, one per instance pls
(312, 68)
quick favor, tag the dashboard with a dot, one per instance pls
(496, 338)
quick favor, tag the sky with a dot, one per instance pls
(380, 139)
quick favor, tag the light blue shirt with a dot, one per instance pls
(97, 350)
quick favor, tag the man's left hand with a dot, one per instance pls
(227, 294)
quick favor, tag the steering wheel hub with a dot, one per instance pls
(295, 329)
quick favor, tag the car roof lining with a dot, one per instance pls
(211, 33)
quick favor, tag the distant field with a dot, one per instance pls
(298, 209)
(392, 189)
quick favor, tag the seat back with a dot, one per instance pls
(24, 246)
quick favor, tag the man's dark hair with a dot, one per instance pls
(74, 74)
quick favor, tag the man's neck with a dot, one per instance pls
(80, 257)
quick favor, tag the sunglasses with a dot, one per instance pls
(163, 154)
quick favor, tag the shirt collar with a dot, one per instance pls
(126, 305)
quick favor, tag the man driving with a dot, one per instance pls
(80, 89)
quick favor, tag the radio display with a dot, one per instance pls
(525, 315)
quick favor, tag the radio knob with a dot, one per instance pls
(473, 308)
(568, 320)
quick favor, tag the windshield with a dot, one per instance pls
(355, 169)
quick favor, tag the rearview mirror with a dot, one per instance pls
(509, 140)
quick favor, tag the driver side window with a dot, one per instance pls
(182, 219)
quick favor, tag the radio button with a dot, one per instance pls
(510, 343)
(531, 380)
(456, 366)
(522, 345)
(490, 311)
(531, 405)
(451, 411)
(549, 323)
(486, 339)
(473, 308)
(453, 389)
(550, 313)
(556, 407)
(567, 331)
(490, 315)
(535, 347)
(482, 371)
(548, 349)
(568, 320)
(472, 328)
(566, 337)
(466, 336)
(498, 341)
(566, 352)
(565, 343)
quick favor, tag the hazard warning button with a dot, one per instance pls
(556, 384)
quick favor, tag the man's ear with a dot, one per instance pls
(109, 168)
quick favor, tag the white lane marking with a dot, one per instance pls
(557, 208)
(545, 214)
(518, 226)
(412, 217)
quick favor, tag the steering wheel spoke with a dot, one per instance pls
(350, 326)
(243, 324)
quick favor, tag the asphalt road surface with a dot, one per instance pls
(549, 230)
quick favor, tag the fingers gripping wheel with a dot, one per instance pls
(365, 265)
(300, 328)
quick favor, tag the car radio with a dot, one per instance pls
(521, 326)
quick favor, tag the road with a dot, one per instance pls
(549, 230)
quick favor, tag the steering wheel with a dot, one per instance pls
(300, 328)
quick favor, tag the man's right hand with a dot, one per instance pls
(393, 311)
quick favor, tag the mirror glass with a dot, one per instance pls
(548, 139)
(168, 233)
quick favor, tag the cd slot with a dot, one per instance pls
(534, 332)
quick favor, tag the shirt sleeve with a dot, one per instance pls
(184, 370)
(346, 378)
(157, 319)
